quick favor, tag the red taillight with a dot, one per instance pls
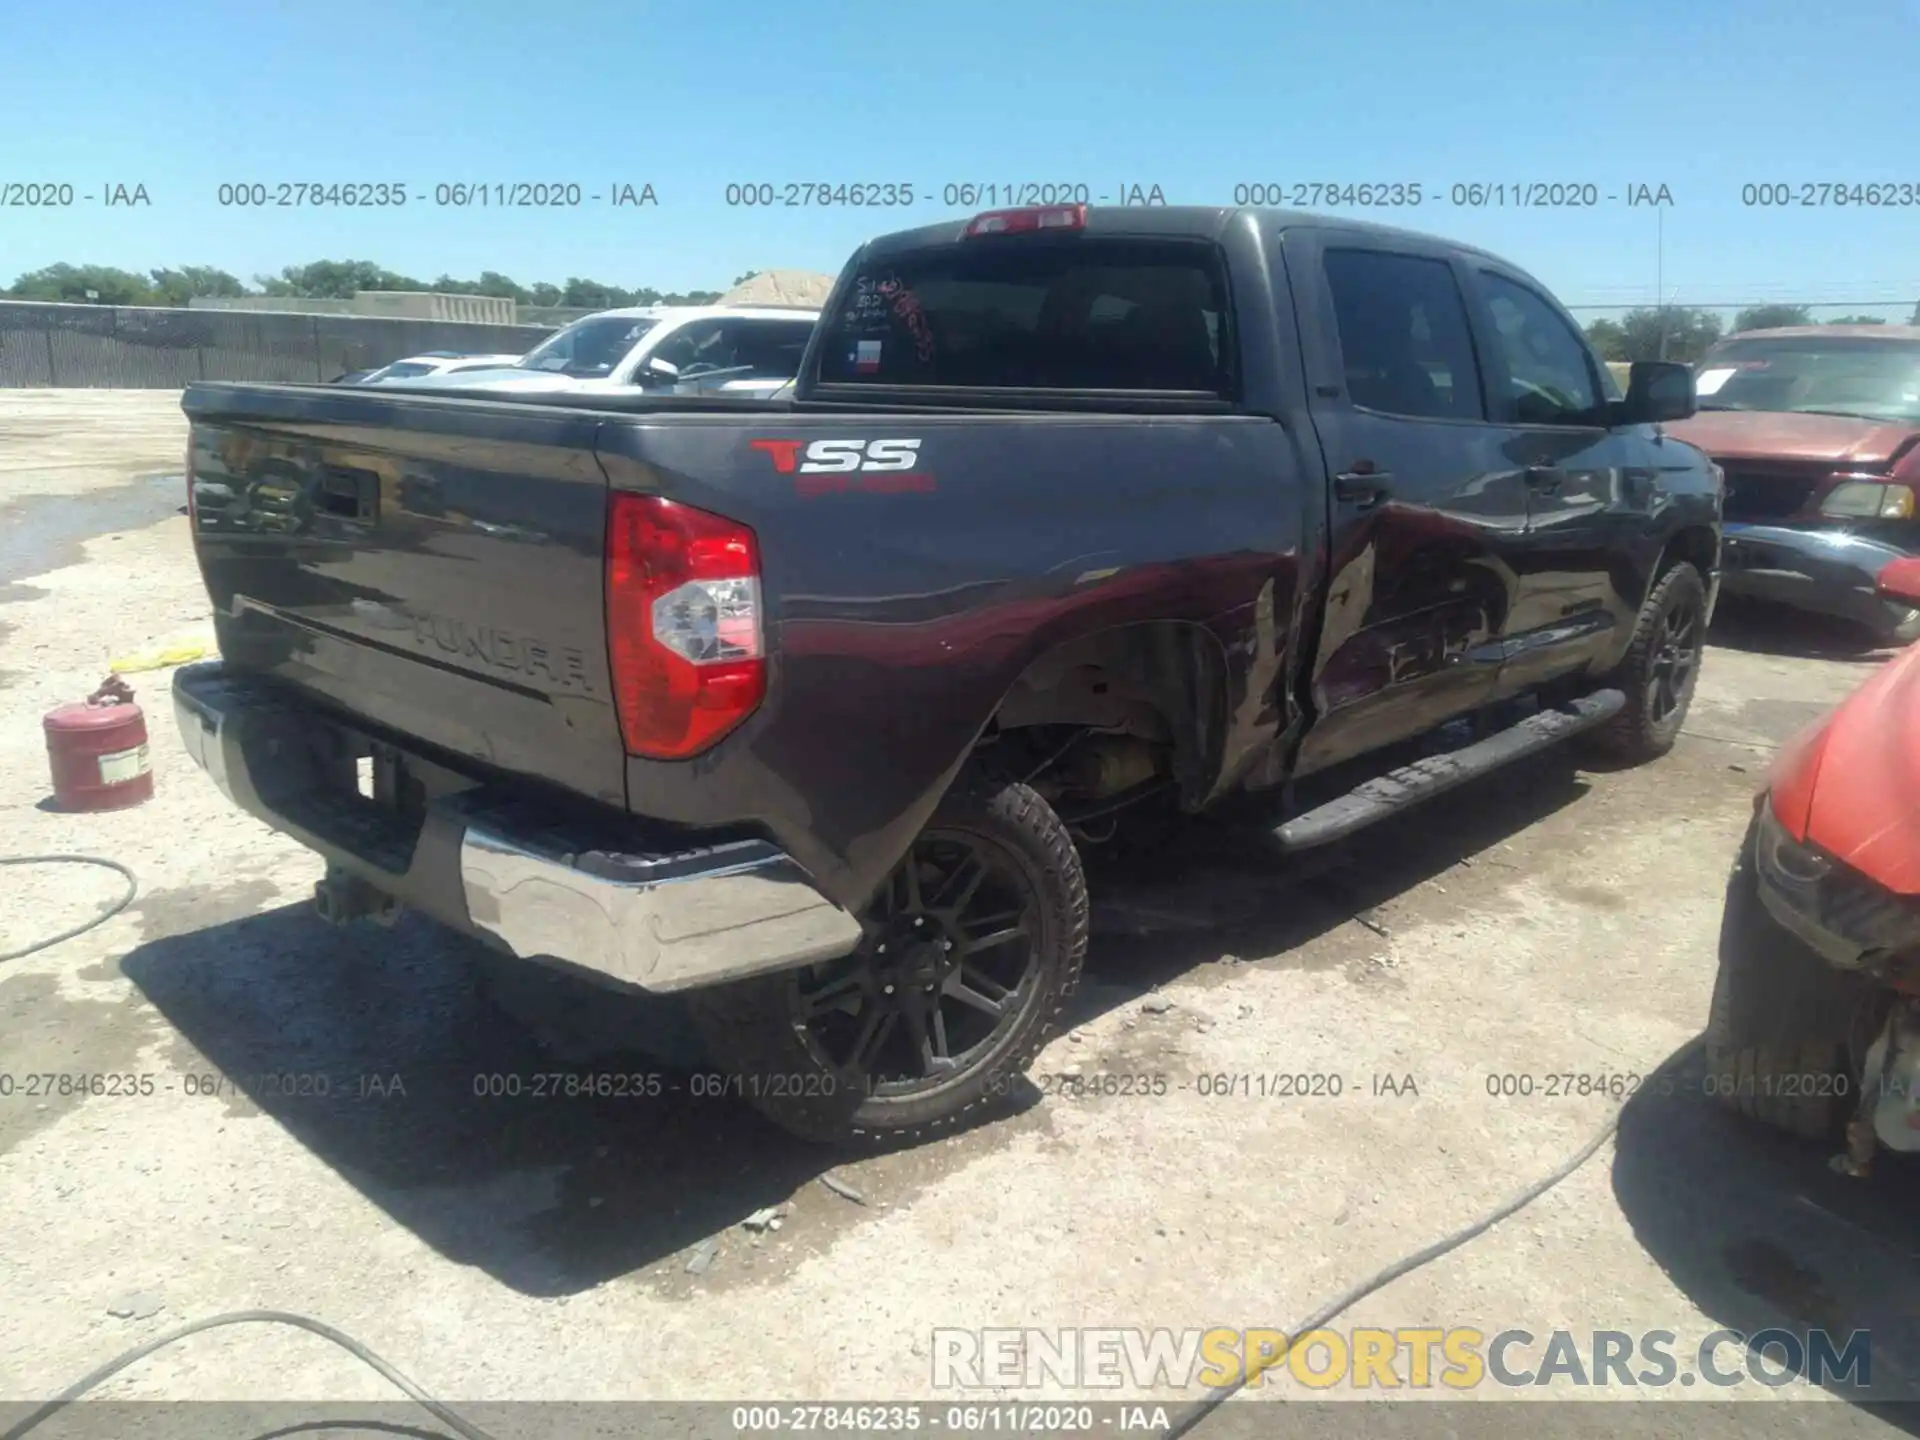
(1038, 217)
(683, 625)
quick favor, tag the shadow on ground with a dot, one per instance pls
(528, 1135)
(386, 1052)
(1210, 891)
(1762, 629)
(1758, 1232)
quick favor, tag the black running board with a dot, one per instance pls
(1395, 791)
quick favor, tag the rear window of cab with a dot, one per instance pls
(1037, 313)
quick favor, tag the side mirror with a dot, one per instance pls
(1657, 391)
(661, 370)
(1900, 580)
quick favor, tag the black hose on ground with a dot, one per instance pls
(133, 889)
(1186, 1420)
(1193, 1414)
(444, 1413)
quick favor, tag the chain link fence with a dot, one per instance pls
(121, 347)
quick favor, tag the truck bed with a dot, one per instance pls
(431, 567)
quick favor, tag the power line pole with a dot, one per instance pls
(1660, 269)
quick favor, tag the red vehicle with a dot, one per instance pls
(1815, 1025)
(1816, 429)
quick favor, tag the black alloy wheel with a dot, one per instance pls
(1676, 657)
(952, 949)
(1660, 669)
(972, 949)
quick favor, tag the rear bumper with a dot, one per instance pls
(662, 917)
(1823, 571)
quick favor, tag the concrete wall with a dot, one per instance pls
(139, 348)
(393, 304)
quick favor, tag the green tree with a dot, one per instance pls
(742, 279)
(189, 282)
(1636, 334)
(1854, 320)
(491, 282)
(335, 280)
(594, 295)
(1771, 317)
(1609, 341)
(1689, 332)
(70, 283)
(323, 279)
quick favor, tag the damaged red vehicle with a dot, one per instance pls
(1817, 431)
(1815, 1026)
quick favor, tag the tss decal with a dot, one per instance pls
(830, 466)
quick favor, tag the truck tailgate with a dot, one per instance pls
(435, 568)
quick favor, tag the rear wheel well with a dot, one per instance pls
(1103, 715)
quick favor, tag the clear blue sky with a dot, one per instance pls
(1193, 97)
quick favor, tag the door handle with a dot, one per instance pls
(1544, 478)
(1364, 488)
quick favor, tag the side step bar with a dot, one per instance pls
(1393, 792)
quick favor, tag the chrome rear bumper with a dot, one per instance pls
(663, 917)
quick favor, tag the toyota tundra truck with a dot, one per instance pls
(809, 708)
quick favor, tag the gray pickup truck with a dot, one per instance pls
(807, 708)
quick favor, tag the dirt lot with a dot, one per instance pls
(1550, 921)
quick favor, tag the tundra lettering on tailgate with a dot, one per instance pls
(563, 665)
(831, 467)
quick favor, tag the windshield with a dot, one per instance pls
(587, 348)
(1813, 375)
(402, 369)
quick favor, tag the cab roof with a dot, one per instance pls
(1176, 222)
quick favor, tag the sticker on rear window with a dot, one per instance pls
(866, 357)
(1708, 381)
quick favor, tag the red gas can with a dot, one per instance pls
(98, 751)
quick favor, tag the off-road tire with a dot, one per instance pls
(749, 1026)
(1777, 1033)
(1636, 735)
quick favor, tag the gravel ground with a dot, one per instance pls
(1549, 920)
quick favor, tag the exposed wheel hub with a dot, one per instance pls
(952, 944)
(915, 958)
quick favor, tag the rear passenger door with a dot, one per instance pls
(1586, 495)
(1425, 508)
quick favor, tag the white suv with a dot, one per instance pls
(435, 362)
(659, 350)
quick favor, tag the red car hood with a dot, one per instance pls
(1865, 809)
(1845, 442)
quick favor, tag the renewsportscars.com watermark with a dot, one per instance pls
(1454, 1358)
